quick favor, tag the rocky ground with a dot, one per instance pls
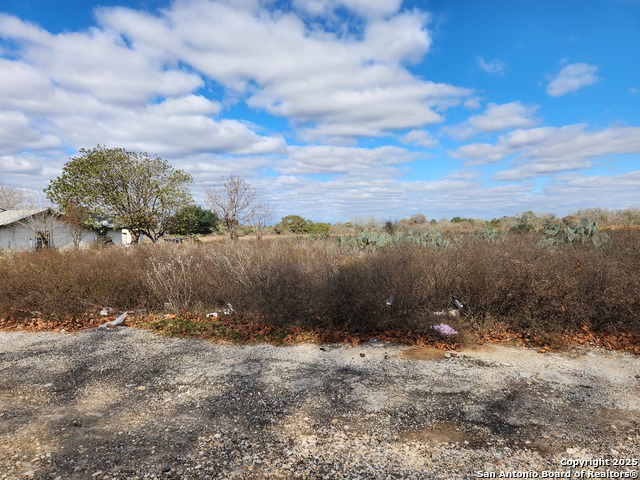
(125, 403)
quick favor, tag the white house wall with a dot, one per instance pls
(19, 236)
(16, 237)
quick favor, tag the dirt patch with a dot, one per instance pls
(422, 353)
(124, 403)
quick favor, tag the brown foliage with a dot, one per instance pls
(512, 285)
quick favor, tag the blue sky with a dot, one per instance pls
(337, 109)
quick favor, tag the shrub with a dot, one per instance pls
(512, 280)
(320, 228)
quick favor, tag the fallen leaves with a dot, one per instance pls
(250, 329)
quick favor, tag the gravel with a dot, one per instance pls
(125, 403)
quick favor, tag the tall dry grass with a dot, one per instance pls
(513, 281)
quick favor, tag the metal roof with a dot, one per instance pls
(8, 217)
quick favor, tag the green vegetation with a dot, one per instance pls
(193, 220)
(318, 229)
(133, 190)
(297, 225)
(293, 224)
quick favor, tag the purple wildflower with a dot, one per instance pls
(444, 329)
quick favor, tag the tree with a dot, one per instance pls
(319, 228)
(42, 223)
(134, 190)
(193, 220)
(78, 220)
(259, 218)
(294, 224)
(11, 198)
(233, 201)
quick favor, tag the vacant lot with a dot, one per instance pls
(125, 403)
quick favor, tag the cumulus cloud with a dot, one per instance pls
(495, 66)
(325, 159)
(326, 83)
(98, 63)
(18, 133)
(136, 76)
(419, 137)
(572, 78)
(550, 150)
(164, 82)
(93, 87)
(496, 118)
(19, 164)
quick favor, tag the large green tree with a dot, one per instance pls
(193, 220)
(135, 190)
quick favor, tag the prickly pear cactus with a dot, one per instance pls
(586, 232)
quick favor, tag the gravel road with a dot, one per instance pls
(125, 403)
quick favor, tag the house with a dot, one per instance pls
(32, 228)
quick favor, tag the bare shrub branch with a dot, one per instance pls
(11, 198)
(232, 201)
(259, 219)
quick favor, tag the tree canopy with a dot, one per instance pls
(193, 220)
(133, 190)
(294, 224)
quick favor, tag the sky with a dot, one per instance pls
(337, 110)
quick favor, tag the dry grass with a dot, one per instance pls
(513, 283)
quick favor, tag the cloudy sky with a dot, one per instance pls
(337, 109)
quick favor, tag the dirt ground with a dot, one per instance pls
(125, 403)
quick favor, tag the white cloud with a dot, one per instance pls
(138, 80)
(465, 194)
(503, 117)
(18, 133)
(419, 137)
(495, 66)
(364, 8)
(135, 79)
(551, 150)
(187, 105)
(327, 83)
(496, 118)
(92, 87)
(572, 78)
(170, 136)
(473, 103)
(98, 63)
(18, 164)
(580, 191)
(326, 159)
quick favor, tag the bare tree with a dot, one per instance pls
(76, 218)
(11, 198)
(259, 218)
(42, 224)
(232, 201)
